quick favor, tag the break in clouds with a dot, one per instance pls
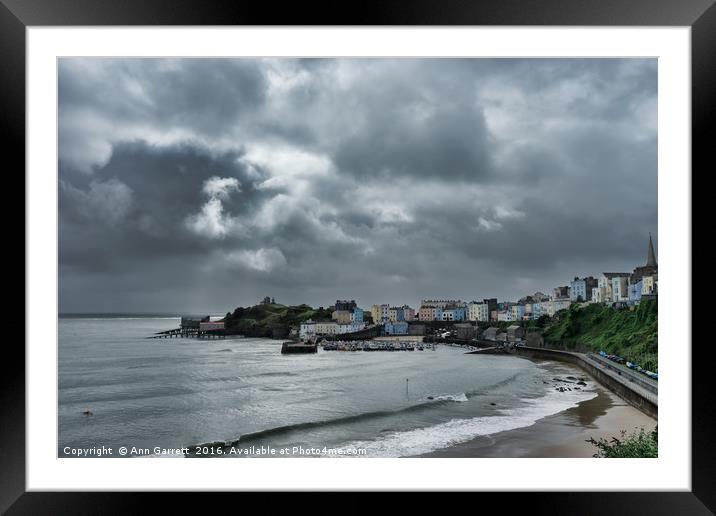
(204, 184)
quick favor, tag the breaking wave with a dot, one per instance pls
(425, 440)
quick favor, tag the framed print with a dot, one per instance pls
(403, 251)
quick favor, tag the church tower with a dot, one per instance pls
(651, 258)
(646, 270)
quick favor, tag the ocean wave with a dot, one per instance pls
(262, 434)
(425, 404)
(449, 397)
(425, 440)
(273, 373)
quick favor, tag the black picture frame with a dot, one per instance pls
(700, 15)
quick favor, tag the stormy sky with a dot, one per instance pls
(192, 185)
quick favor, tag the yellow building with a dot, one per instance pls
(648, 285)
(342, 316)
(326, 328)
(379, 313)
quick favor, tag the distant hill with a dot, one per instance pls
(629, 334)
(270, 320)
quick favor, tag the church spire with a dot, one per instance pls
(651, 259)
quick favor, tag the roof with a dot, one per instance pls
(650, 257)
(610, 275)
(514, 327)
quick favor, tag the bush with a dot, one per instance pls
(641, 444)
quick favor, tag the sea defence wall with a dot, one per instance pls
(367, 333)
(630, 391)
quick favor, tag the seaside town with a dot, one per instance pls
(618, 289)
(408, 257)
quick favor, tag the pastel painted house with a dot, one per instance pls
(396, 313)
(430, 313)
(518, 312)
(379, 313)
(456, 313)
(478, 312)
(620, 288)
(578, 290)
(396, 328)
(635, 290)
(326, 327)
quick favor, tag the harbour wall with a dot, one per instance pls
(636, 396)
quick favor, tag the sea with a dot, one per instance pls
(122, 394)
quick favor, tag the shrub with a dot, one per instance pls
(639, 444)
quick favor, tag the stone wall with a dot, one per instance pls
(606, 378)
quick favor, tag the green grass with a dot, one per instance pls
(629, 334)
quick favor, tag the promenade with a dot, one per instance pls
(641, 393)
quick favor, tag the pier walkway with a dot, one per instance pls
(188, 333)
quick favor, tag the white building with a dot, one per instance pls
(408, 313)
(648, 285)
(478, 312)
(350, 328)
(307, 329)
(505, 315)
(560, 304)
(607, 283)
(326, 328)
(620, 288)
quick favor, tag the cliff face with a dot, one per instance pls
(270, 320)
(630, 334)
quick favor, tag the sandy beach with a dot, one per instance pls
(401, 338)
(560, 435)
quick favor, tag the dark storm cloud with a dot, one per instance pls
(140, 205)
(203, 184)
(140, 98)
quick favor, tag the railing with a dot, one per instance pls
(625, 372)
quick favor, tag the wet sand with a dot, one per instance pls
(560, 435)
(400, 338)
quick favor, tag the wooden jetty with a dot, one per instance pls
(179, 333)
(194, 328)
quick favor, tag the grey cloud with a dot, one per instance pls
(381, 180)
(103, 100)
(136, 206)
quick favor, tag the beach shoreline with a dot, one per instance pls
(560, 435)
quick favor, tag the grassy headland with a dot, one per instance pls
(629, 334)
(270, 320)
